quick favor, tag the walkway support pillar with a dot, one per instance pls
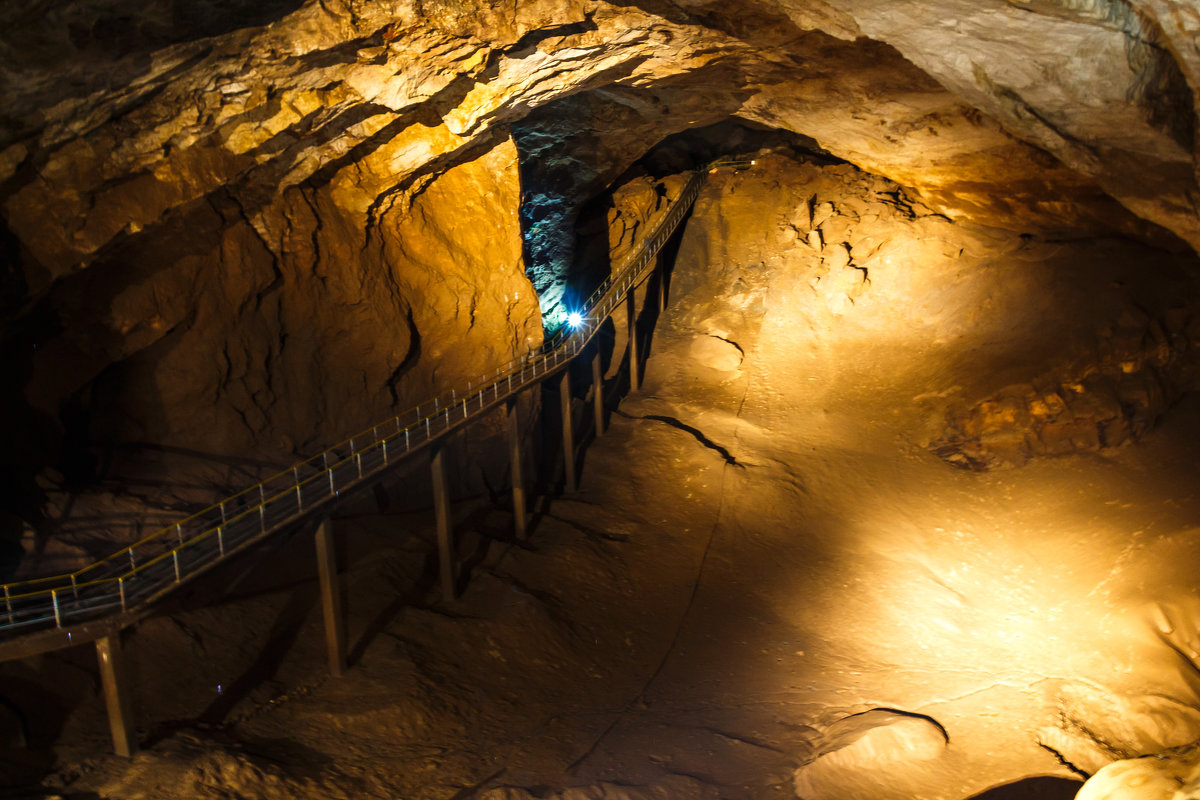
(598, 393)
(631, 312)
(568, 429)
(331, 598)
(445, 534)
(662, 283)
(517, 467)
(115, 680)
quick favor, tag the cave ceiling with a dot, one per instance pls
(117, 115)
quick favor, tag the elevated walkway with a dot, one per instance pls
(99, 601)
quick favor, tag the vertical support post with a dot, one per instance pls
(662, 283)
(631, 311)
(516, 461)
(331, 598)
(116, 693)
(445, 533)
(568, 430)
(598, 392)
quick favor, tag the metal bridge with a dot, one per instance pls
(97, 602)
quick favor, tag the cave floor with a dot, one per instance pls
(715, 596)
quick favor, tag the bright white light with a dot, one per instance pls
(574, 319)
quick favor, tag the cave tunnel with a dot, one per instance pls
(878, 481)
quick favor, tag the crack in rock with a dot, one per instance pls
(1064, 761)
(732, 342)
(696, 433)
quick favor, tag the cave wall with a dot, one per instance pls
(234, 230)
(1026, 347)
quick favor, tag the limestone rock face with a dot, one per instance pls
(255, 227)
(1172, 775)
(858, 753)
(1097, 83)
(1143, 367)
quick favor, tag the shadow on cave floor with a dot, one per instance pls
(1042, 788)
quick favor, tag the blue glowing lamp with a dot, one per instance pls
(575, 319)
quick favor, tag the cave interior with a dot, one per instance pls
(899, 499)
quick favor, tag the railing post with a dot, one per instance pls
(331, 598)
(598, 393)
(517, 468)
(631, 312)
(113, 677)
(568, 432)
(447, 557)
(8, 604)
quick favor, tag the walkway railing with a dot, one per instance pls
(144, 571)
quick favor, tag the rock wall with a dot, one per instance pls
(1031, 347)
(201, 353)
(1143, 367)
(222, 229)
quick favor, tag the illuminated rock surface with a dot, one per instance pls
(1172, 775)
(233, 235)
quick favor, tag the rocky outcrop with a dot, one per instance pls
(1170, 775)
(1143, 367)
(857, 754)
